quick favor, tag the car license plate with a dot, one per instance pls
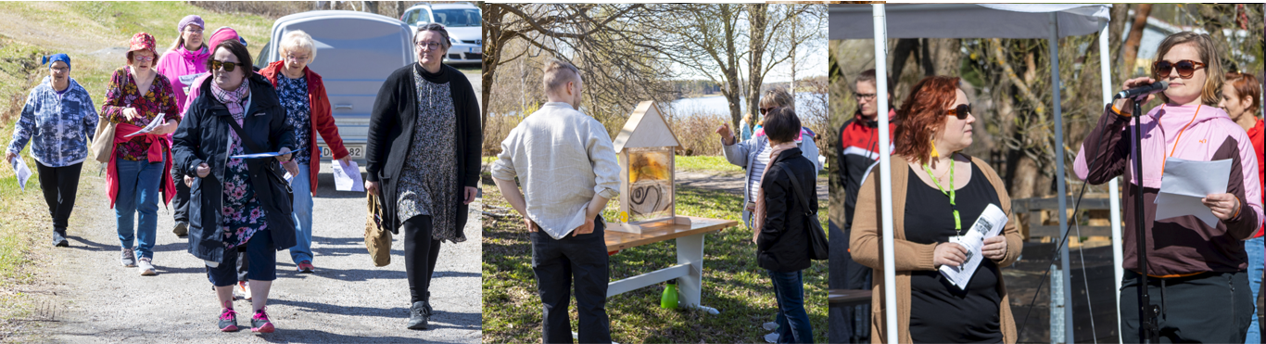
(355, 151)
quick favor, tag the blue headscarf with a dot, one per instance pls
(59, 57)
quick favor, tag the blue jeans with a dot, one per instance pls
(793, 321)
(1256, 251)
(138, 193)
(302, 186)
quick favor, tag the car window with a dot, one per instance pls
(458, 17)
(420, 15)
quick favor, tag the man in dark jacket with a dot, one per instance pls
(859, 149)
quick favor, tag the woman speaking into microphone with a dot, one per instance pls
(1196, 271)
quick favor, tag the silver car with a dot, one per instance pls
(356, 53)
(463, 22)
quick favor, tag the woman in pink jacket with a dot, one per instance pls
(1196, 270)
(186, 59)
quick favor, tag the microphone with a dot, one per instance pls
(1143, 90)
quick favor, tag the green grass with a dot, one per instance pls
(733, 283)
(19, 229)
(705, 163)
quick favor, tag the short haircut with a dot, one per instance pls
(437, 27)
(238, 50)
(1247, 87)
(782, 124)
(300, 40)
(1209, 94)
(776, 97)
(558, 73)
(867, 76)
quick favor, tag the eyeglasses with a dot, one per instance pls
(228, 66)
(961, 111)
(60, 69)
(1185, 68)
(191, 29)
(763, 111)
(143, 58)
(297, 58)
(429, 45)
(865, 96)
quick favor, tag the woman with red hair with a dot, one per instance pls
(936, 196)
(1241, 96)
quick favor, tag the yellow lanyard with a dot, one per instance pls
(958, 224)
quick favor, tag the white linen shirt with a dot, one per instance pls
(562, 158)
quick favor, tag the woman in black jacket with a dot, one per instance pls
(422, 159)
(235, 204)
(782, 237)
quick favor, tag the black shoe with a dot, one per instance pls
(426, 306)
(181, 229)
(417, 316)
(59, 238)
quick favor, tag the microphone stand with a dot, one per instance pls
(1149, 329)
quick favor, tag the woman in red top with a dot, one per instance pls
(1240, 99)
(139, 165)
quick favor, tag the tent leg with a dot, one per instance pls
(1061, 192)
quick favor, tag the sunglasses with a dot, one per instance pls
(143, 58)
(228, 66)
(763, 111)
(961, 111)
(1185, 68)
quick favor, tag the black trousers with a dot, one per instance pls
(1211, 307)
(420, 253)
(847, 324)
(60, 185)
(556, 264)
(180, 203)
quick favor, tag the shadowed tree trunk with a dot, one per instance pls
(1131, 48)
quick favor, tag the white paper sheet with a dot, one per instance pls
(1185, 182)
(347, 177)
(158, 120)
(23, 172)
(989, 224)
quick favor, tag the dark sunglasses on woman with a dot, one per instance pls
(1185, 68)
(228, 66)
(961, 111)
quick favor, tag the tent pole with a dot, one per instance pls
(885, 170)
(1114, 198)
(1061, 193)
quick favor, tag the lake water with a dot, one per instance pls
(719, 105)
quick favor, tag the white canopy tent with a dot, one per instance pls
(980, 21)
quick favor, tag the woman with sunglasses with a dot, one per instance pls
(241, 208)
(1196, 270)
(186, 58)
(937, 196)
(57, 119)
(422, 159)
(139, 167)
(1241, 98)
(753, 154)
(308, 111)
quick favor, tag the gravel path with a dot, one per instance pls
(732, 182)
(346, 300)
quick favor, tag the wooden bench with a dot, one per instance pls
(689, 269)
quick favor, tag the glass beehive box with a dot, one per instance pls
(647, 191)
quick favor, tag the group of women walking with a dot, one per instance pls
(172, 128)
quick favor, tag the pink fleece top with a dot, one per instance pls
(1206, 128)
(180, 62)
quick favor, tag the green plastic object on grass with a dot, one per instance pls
(669, 300)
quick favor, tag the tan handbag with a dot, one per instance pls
(377, 239)
(103, 141)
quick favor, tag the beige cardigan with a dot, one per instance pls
(866, 239)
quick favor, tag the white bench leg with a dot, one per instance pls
(690, 287)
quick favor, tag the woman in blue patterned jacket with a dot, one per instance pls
(58, 119)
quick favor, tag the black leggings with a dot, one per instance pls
(420, 252)
(60, 185)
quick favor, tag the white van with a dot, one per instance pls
(356, 51)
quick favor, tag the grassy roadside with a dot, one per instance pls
(733, 283)
(95, 35)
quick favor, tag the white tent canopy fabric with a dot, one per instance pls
(978, 21)
(967, 20)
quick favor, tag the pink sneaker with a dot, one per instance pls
(260, 323)
(228, 320)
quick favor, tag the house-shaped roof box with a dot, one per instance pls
(645, 146)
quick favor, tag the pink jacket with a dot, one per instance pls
(1181, 245)
(180, 62)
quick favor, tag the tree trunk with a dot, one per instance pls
(947, 56)
(758, 18)
(369, 6)
(400, 10)
(731, 68)
(900, 55)
(1131, 48)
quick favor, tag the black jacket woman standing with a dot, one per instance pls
(424, 112)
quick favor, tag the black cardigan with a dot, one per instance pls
(783, 242)
(391, 134)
